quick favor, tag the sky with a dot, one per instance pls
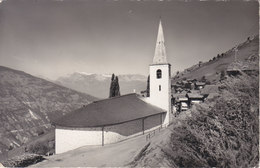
(53, 38)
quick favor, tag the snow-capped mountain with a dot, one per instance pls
(98, 84)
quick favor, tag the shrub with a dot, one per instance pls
(39, 148)
(223, 132)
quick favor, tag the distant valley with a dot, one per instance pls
(98, 84)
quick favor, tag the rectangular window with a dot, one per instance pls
(160, 88)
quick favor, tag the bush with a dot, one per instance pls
(39, 148)
(223, 132)
(222, 75)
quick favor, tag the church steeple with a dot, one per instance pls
(160, 78)
(160, 52)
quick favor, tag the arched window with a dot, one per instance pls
(159, 74)
(160, 88)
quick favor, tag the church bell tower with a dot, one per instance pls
(160, 77)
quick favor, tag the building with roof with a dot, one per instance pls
(199, 85)
(107, 121)
(180, 101)
(115, 119)
(195, 98)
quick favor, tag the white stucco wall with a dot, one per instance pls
(161, 98)
(67, 138)
(120, 132)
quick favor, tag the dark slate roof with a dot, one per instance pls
(179, 95)
(109, 112)
(194, 95)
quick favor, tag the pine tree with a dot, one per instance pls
(111, 91)
(117, 88)
(148, 87)
(114, 87)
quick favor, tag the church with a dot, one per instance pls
(119, 118)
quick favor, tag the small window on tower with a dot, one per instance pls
(160, 88)
(159, 74)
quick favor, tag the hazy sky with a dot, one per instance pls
(53, 38)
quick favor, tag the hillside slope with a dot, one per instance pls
(28, 105)
(211, 69)
(98, 84)
(221, 132)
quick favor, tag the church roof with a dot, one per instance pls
(160, 52)
(110, 111)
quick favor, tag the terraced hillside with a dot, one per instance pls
(28, 105)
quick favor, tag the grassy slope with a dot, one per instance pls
(211, 70)
(222, 132)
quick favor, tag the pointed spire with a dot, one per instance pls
(160, 52)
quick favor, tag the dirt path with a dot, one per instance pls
(119, 154)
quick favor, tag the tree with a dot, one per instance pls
(113, 77)
(114, 87)
(111, 90)
(203, 79)
(117, 88)
(148, 87)
(200, 63)
(222, 75)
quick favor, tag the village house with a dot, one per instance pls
(195, 98)
(238, 67)
(199, 85)
(180, 101)
(119, 118)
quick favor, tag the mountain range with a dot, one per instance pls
(28, 105)
(98, 84)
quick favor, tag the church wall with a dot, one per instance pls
(67, 138)
(122, 131)
(153, 122)
(71, 138)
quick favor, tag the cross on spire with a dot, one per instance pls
(160, 52)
